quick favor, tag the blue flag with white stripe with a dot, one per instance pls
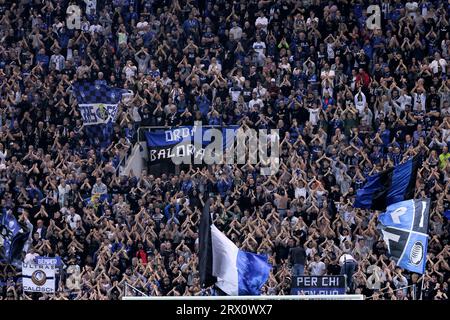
(404, 227)
(221, 263)
(239, 273)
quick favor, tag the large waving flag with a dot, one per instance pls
(234, 271)
(98, 105)
(404, 227)
(13, 236)
(388, 187)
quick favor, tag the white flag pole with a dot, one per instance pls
(422, 286)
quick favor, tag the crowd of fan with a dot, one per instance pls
(348, 102)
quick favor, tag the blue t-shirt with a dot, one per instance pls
(42, 58)
(385, 136)
(190, 24)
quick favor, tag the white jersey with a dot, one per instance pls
(91, 7)
(346, 258)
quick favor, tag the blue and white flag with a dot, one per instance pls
(404, 227)
(238, 272)
(221, 262)
(180, 141)
(98, 103)
(38, 278)
(13, 236)
(169, 137)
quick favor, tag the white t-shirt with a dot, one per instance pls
(215, 67)
(309, 21)
(260, 92)
(72, 221)
(293, 220)
(141, 26)
(166, 81)
(360, 104)
(349, 217)
(310, 252)
(262, 21)
(91, 6)
(236, 32)
(411, 8)
(330, 50)
(136, 115)
(342, 238)
(434, 65)
(29, 257)
(259, 46)
(300, 192)
(419, 98)
(130, 71)
(96, 28)
(62, 192)
(252, 102)
(403, 100)
(39, 231)
(345, 258)
(235, 93)
(318, 268)
(122, 37)
(313, 115)
(330, 73)
(3, 155)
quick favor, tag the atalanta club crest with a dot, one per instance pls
(38, 277)
(416, 254)
(102, 113)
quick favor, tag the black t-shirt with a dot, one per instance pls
(222, 92)
(363, 62)
(297, 255)
(173, 120)
(159, 118)
(377, 74)
(333, 269)
(443, 30)
(282, 253)
(433, 97)
(247, 94)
